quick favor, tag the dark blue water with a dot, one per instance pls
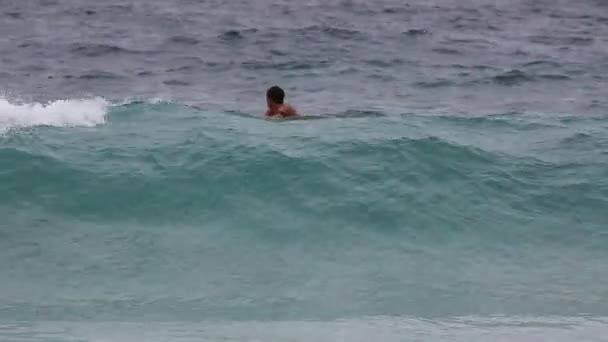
(448, 180)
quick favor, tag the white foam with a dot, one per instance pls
(59, 113)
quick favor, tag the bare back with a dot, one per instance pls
(284, 110)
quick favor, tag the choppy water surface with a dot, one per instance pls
(448, 181)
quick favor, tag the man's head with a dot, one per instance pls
(275, 95)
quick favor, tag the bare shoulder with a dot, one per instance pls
(288, 110)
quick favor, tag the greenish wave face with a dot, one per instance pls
(447, 179)
(169, 212)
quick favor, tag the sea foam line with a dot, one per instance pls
(58, 113)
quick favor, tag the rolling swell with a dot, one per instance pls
(430, 184)
(448, 179)
(172, 182)
(392, 220)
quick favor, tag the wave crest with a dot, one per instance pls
(59, 113)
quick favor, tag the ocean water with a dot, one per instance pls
(447, 181)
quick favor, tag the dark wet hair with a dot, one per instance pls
(276, 94)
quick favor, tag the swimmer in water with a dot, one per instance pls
(277, 108)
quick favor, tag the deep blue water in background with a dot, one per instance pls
(448, 181)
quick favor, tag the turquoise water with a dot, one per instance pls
(448, 180)
(170, 213)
